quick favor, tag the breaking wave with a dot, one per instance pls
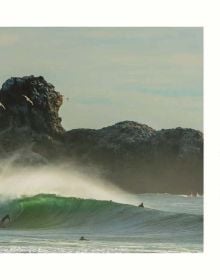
(46, 211)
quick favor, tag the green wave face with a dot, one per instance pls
(49, 211)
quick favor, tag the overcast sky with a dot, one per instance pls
(149, 75)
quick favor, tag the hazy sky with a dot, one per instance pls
(149, 75)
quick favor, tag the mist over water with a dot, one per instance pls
(62, 180)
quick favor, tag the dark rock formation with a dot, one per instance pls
(29, 115)
(141, 159)
(131, 155)
(30, 102)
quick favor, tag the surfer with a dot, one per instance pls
(141, 205)
(82, 238)
(5, 219)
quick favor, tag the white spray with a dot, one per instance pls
(59, 180)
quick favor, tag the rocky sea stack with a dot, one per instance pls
(132, 155)
(30, 102)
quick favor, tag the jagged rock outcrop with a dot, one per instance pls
(29, 114)
(132, 155)
(30, 102)
(141, 159)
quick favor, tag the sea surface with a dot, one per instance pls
(46, 223)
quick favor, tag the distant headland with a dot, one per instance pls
(133, 156)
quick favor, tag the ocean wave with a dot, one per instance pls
(46, 211)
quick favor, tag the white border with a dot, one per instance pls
(104, 13)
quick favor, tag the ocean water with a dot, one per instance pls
(50, 223)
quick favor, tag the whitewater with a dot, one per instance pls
(52, 207)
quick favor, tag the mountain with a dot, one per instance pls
(133, 156)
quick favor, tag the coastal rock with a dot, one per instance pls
(29, 116)
(131, 155)
(30, 102)
(141, 159)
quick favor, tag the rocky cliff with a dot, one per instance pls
(29, 118)
(131, 155)
(141, 159)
